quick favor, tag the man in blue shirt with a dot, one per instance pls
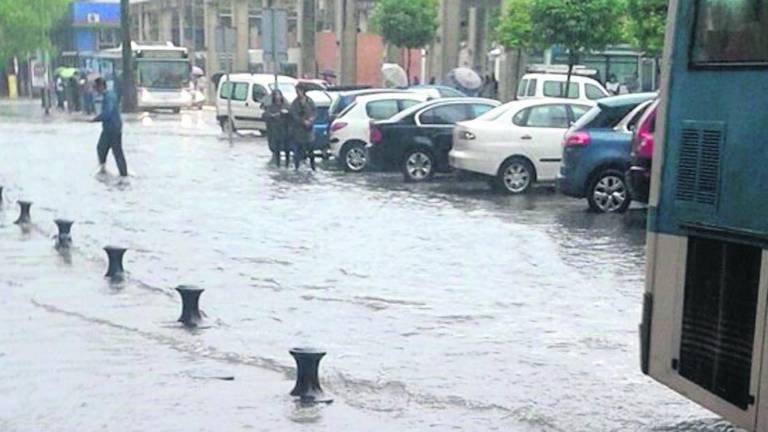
(111, 128)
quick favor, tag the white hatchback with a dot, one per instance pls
(518, 143)
(350, 132)
(538, 85)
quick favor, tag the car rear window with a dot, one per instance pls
(603, 117)
(382, 110)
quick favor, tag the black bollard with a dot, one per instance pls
(190, 309)
(24, 217)
(63, 239)
(115, 255)
(307, 386)
(1, 197)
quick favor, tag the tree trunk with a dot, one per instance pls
(408, 65)
(571, 62)
(129, 89)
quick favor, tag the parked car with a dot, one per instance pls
(344, 99)
(350, 132)
(642, 155)
(246, 93)
(596, 152)
(517, 144)
(437, 91)
(538, 85)
(418, 139)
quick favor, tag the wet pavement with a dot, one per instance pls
(442, 306)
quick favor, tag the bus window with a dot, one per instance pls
(734, 31)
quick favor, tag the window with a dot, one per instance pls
(579, 110)
(445, 115)
(532, 88)
(258, 93)
(381, 110)
(545, 116)
(555, 89)
(240, 92)
(478, 110)
(226, 90)
(522, 87)
(734, 31)
(405, 104)
(632, 123)
(594, 92)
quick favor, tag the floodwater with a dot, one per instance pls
(442, 306)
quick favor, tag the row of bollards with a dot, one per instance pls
(307, 387)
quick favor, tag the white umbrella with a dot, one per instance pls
(466, 78)
(392, 75)
(196, 70)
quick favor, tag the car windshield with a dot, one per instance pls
(494, 113)
(288, 90)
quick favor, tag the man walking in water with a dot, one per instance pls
(111, 129)
(303, 112)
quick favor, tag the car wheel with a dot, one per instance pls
(227, 125)
(418, 165)
(354, 157)
(515, 176)
(176, 110)
(608, 192)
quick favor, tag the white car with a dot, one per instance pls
(247, 91)
(539, 85)
(517, 144)
(350, 132)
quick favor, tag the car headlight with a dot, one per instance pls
(466, 135)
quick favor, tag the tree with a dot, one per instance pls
(646, 21)
(579, 26)
(514, 29)
(24, 25)
(406, 24)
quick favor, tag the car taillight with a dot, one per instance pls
(338, 125)
(375, 134)
(643, 144)
(577, 139)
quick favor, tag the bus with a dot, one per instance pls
(161, 72)
(703, 328)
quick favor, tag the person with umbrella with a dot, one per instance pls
(111, 129)
(302, 123)
(276, 114)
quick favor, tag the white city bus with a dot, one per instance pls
(161, 74)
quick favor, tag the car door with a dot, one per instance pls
(541, 128)
(436, 127)
(253, 107)
(239, 98)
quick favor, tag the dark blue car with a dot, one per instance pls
(596, 152)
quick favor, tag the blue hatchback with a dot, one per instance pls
(596, 152)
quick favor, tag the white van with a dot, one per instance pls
(247, 92)
(538, 85)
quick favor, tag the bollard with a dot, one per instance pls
(1, 196)
(307, 386)
(63, 239)
(115, 268)
(190, 309)
(24, 217)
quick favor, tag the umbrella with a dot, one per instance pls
(392, 75)
(465, 78)
(328, 73)
(65, 72)
(196, 70)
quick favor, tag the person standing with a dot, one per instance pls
(111, 129)
(59, 93)
(302, 117)
(275, 112)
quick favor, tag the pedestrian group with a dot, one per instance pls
(291, 128)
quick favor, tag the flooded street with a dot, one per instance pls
(442, 306)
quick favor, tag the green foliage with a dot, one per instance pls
(24, 25)
(577, 25)
(406, 24)
(514, 29)
(646, 21)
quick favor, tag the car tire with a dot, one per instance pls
(176, 110)
(227, 123)
(608, 192)
(354, 157)
(418, 165)
(516, 176)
